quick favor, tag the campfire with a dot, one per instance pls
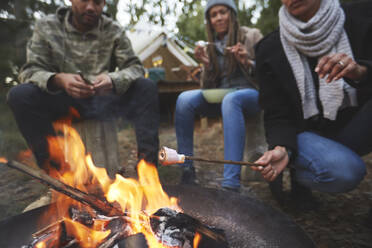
(97, 211)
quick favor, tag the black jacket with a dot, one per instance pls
(279, 95)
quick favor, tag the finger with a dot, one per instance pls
(321, 63)
(83, 86)
(338, 67)
(101, 85)
(77, 92)
(267, 169)
(325, 64)
(264, 159)
(78, 78)
(347, 70)
(269, 175)
(331, 63)
(275, 174)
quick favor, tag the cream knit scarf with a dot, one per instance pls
(323, 34)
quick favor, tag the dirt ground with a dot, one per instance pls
(337, 222)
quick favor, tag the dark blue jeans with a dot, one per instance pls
(35, 110)
(330, 161)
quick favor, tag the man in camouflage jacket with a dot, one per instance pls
(81, 58)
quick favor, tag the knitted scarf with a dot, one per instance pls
(323, 34)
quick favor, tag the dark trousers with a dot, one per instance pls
(35, 110)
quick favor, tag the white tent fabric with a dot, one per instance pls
(146, 39)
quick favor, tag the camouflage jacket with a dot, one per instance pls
(56, 46)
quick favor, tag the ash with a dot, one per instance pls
(172, 228)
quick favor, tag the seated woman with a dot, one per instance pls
(315, 77)
(228, 62)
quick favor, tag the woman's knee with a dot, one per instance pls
(340, 173)
(185, 100)
(243, 100)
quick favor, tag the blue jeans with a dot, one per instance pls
(331, 162)
(326, 165)
(234, 108)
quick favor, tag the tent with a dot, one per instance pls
(157, 48)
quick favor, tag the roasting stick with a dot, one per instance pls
(168, 156)
(90, 200)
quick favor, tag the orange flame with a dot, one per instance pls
(197, 239)
(138, 199)
(40, 245)
(3, 160)
(86, 237)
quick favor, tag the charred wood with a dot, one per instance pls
(135, 241)
(90, 200)
(177, 229)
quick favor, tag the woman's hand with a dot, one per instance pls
(340, 65)
(201, 55)
(272, 163)
(240, 54)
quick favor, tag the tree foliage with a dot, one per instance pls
(191, 25)
(17, 17)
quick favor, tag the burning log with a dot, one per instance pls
(168, 156)
(58, 234)
(134, 241)
(119, 230)
(175, 229)
(54, 235)
(90, 200)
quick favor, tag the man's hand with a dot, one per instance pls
(73, 84)
(272, 163)
(340, 65)
(201, 55)
(240, 54)
(103, 84)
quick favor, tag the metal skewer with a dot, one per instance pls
(168, 156)
(203, 43)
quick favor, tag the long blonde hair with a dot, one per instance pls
(214, 71)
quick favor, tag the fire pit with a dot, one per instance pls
(95, 211)
(246, 221)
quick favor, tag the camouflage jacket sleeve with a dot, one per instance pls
(39, 66)
(129, 67)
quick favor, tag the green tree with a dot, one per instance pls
(191, 25)
(112, 8)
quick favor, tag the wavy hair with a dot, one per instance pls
(214, 72)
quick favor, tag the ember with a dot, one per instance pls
(96, 211)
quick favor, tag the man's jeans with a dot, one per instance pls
(333, 164)
(235, 106)
(35, 110)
